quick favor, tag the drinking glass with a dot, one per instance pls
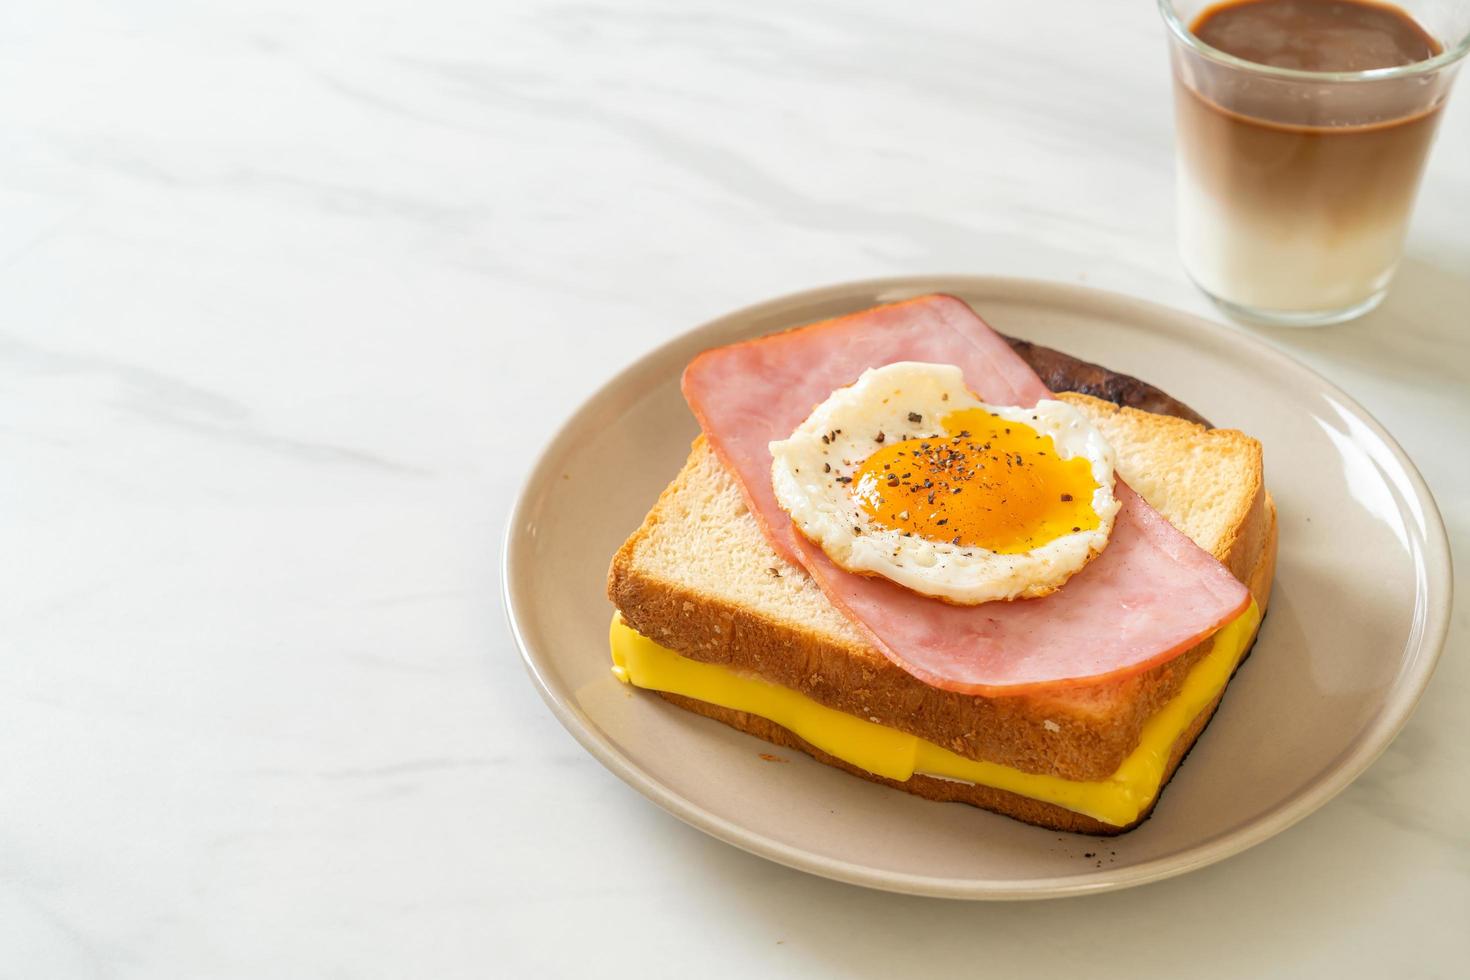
(1295, 187)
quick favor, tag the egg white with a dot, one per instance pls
(841, 433)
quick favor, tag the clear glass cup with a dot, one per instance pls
(1295, 187)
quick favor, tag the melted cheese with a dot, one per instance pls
(1117, 800)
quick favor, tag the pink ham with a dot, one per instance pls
(1151, 595)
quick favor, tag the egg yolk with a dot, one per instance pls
(986, 483)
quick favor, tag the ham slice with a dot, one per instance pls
(1150, 596)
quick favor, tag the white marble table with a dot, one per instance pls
(290, 294)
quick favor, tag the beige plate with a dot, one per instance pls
(1357, 619)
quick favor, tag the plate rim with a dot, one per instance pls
(1427, 633)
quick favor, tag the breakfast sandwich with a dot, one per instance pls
(899, 549)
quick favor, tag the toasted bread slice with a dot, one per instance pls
(1000, 801)
(700, 578)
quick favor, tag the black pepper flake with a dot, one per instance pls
(879, 437)
(826, 467)
(825, 440)
(775, 572)
(955, 539)
(1066, 498)
(1076, 529)
(956, 489)
(915, 418)
(941, 523)
(844, 479)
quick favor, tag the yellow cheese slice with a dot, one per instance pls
(1117, 800)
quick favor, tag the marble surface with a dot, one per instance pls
(290, 294)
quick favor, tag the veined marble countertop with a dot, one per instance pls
(290, 296)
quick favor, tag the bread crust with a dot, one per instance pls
(1000, 801)
(1063, 372)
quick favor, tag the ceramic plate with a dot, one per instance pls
(1358, 615)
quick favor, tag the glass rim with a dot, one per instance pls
(1182, 34)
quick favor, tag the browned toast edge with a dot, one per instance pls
(1013, 805)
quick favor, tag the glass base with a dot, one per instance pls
(1296, 318)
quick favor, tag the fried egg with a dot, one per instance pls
(907, 475)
